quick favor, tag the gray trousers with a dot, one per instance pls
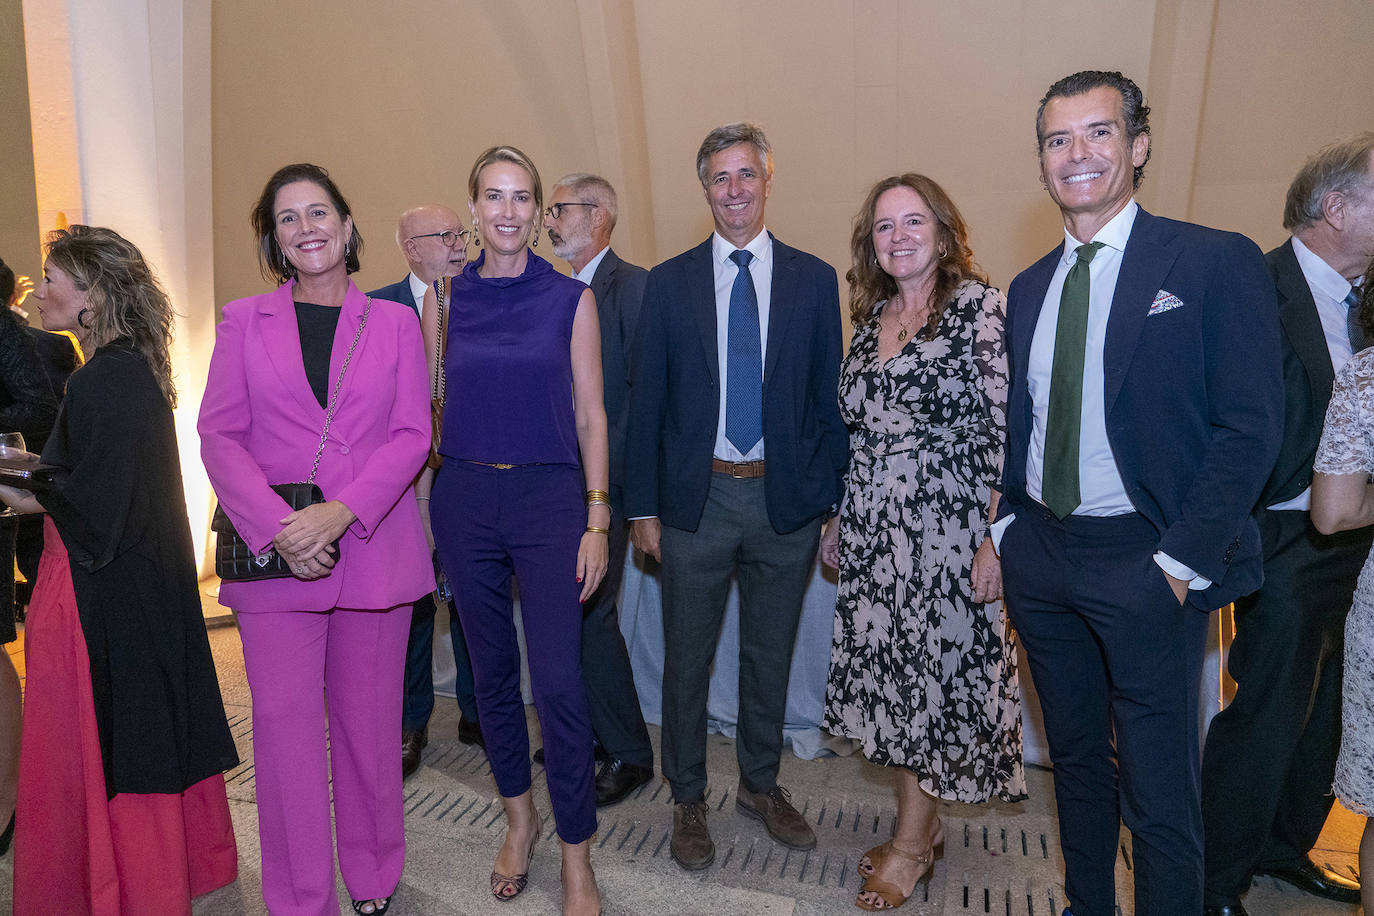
(607, 676)
(734, 537)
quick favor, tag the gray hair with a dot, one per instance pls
(1341, 167)
(722, 138)
(591, 189)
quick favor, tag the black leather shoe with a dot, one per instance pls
(1230, 909)
(617, 779)
(598, 754)
(412, 743)
(469, 732)
(1308, 876)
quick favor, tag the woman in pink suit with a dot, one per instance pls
(338, 628)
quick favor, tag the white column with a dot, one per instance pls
(120, 95)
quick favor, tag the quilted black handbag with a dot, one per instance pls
(235, 562)
(234, 559)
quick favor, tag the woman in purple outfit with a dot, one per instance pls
(523, 366)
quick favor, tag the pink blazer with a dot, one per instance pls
(260, 424)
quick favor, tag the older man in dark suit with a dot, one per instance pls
(580, 218)
(1144, 415)
(736, 454)
(434, 243)
(1271, 754)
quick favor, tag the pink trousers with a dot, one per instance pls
(299, 664)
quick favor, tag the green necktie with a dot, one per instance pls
(1059, 488)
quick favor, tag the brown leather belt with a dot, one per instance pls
(738, 469)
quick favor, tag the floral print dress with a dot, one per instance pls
(921, 675)
(1347, 447)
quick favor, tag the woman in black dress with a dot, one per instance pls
(27, 406)
(122, 806)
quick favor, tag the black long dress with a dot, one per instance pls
(27, 406)
(121, 512)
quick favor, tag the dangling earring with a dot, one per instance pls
(476, 234)
(348, 248)
(536, 238)
(285, 264)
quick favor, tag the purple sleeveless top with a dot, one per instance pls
(509, 388)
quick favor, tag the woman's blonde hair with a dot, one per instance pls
(515, 157)
(123, 297)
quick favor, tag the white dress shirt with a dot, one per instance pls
(761, 271)
(1329, 290)
(1102, 492)
(417, 292)
(1099, 484)
(589, 269)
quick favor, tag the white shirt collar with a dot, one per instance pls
(760, 246)
(589, 269)
(1320, 275)
(417, 287)
(1114, 234)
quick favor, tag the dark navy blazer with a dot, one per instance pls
(1194, 394)
(675, 392)
(397, 292)
(619, 290)
(1307, 374)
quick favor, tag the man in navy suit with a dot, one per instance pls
(1271, 754)
(580, 218)
(1144, 416)
(434, 243)
(736, 454)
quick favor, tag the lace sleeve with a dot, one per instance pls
(1347, 445)
(990, 361)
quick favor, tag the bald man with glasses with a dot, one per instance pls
(434, 243)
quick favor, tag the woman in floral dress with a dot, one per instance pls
(923, 668)
(1343, 499)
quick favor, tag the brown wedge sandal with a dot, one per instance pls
(889, 895)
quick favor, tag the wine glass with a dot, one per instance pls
(12, 445)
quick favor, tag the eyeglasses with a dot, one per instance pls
(556, 210)
(449, 237)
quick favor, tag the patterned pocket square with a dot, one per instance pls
(1164, 301)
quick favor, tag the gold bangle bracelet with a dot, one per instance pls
(598, 502)
(597, 494)
(595, 530)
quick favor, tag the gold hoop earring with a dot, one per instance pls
(943, 252)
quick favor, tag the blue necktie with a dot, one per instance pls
(1352, 321)
(743, 362)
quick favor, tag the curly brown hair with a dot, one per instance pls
(124, 297)
(869, 284)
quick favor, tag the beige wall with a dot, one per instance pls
(398, 102)
(19, 236)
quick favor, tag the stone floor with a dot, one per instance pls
(999, 859)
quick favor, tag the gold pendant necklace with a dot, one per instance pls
(905, 327)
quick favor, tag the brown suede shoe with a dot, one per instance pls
(691, 846)
(774, 807)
